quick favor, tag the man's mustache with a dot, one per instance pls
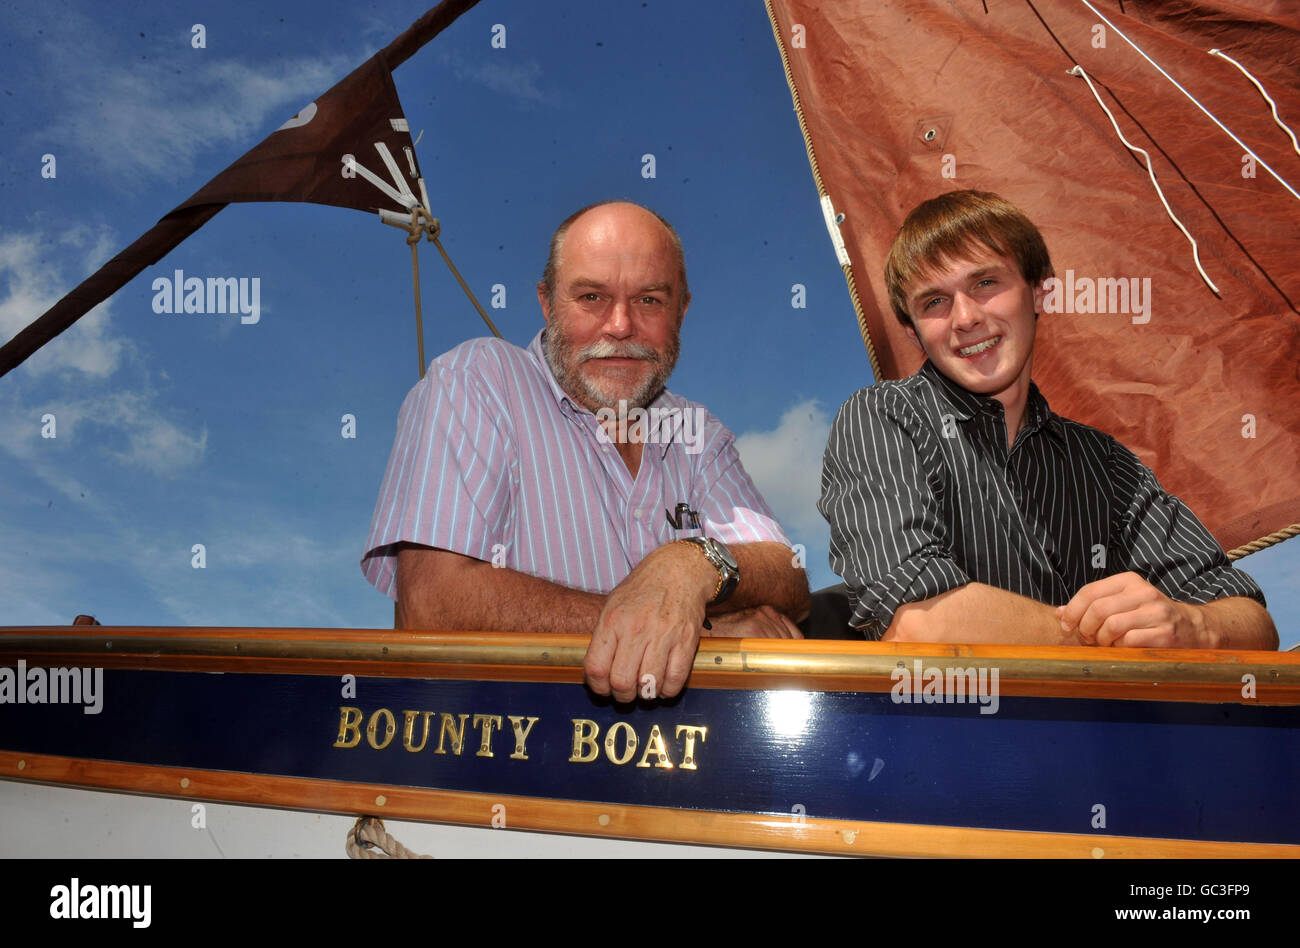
(604, 349)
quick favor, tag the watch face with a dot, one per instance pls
(724, 554)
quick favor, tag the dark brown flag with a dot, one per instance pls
(350, 148)
(904, 100)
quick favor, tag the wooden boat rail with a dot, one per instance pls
(1047, 671)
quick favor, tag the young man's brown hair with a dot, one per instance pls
(956, 225)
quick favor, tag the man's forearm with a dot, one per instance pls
(768, 576)
(976, 613)
(437, 589)
(1236, 622)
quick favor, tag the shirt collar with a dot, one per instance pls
(966, 404)
(537, 350)
(1039, 416)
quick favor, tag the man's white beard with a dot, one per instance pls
(565, 365)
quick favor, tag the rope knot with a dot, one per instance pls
(430, 228)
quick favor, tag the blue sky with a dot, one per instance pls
(173, 431)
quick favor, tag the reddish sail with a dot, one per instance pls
(904, 100)
(303, 160)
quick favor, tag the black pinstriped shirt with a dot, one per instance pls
(923, 496)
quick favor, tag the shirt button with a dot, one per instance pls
(639, 513)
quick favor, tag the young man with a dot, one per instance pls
(963, 510)
(525, 492)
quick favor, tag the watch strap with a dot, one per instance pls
(728, 577)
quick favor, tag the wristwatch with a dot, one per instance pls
(722, 560)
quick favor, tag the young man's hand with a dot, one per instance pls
(1126, 611)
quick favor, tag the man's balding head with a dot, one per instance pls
(599, 214)
(614, 296)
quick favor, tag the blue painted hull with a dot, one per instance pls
(1172, 770)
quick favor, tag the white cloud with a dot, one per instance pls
(272, 574)
(786, 466)
(153, 442)
(147, 120)
(151, 126)
(34, 283)
(266, 567)
(136, 431)
(513, 78)
(31, 595)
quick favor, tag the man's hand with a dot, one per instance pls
(651, 625)
(1128, 612)
(760, 622)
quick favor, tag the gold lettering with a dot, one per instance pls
(408, 730)
(655, 745)
(486, 721)
(456, 732)
(389, 729)
(628, 750)
(584, 736)
(692, 730)
(521, 735)
(349, 720)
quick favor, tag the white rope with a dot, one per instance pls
(1267, 98)
(1196, 256)
(1258, 160)
(369, 840)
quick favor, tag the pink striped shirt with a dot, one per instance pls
(493, 460)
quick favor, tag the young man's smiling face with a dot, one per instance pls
(974, 317)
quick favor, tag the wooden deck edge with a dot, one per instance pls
(792, 833)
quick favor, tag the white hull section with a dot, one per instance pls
(59, 822)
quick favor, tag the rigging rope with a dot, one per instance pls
(1196, 256)
(1267, 98)
(1254, 546)
(413, 240)
(1193, 99)
(432, 229)
(821, 187)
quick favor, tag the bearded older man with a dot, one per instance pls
(562, 488)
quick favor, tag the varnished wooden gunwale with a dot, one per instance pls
(614, 821)
(1040, 671)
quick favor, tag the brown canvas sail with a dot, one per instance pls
(901, 101)
(303, 160)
